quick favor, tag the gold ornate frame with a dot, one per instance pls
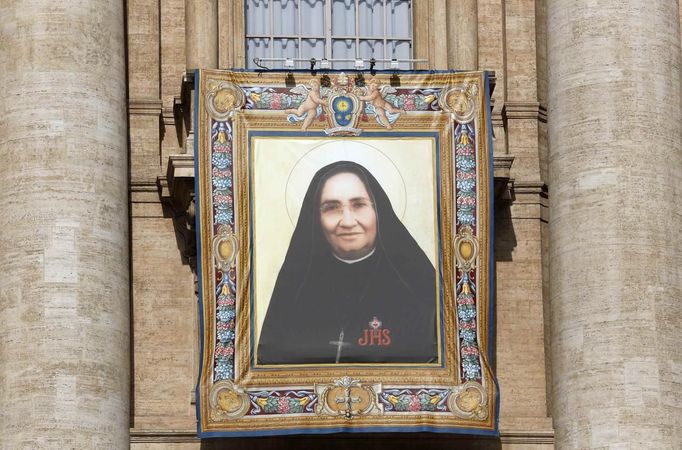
(289, 399)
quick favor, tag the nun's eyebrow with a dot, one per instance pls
(354, 199)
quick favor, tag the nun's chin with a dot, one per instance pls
(351, 257)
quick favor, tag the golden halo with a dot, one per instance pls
(368, 156)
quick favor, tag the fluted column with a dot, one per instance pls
(616, 222)
(201, 34)
(64, 295)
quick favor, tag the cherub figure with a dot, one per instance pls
(375, 96)
(310, 107)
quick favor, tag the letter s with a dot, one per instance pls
(386, 337)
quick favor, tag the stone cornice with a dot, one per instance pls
(497, 119)
(524, 110)
(177, 190)
(501, 173)
(145, 106)
(168, 113)
(502, 165)
(143, 186)
(492, 80)
(179, 179)
(530, 187)
(155, 436)
(527, 437)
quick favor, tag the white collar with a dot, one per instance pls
(353, 261)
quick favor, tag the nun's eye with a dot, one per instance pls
(336, 209)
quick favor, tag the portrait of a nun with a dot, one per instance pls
(352, 268)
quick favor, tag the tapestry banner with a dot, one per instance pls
(344, 227)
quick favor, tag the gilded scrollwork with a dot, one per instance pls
(460, 101)
(223, 99)
(348, 398)
(469, 401)
(466, 249)
(225, 248)
(228, 401)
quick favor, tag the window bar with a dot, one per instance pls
(357, 29)
(327, 29)
(299, 30)
(410, 21)
(385, 29)
(272, 28)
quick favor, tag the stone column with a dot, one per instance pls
(64, 295)
(201, 34)
(615, 223)
(462, 20)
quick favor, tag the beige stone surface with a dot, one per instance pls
(462, 37)
(520, 49)
(491, 56)
(161, 399)
(143, 49)
(144, 146)
(172, 49)
(507, 44)
(616, 237)
(438, 44)
(523, 140)
(520, 355)
(201, 34)
(421, 35)
(164, 322)
(430, 35)
(231, 18)
(165, 446)
(64, 303)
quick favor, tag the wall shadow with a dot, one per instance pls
(504, 240)
(364, 441)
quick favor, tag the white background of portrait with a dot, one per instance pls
(282, 169)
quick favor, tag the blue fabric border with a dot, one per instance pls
(197, 225)
(291, 431)
(491, 247)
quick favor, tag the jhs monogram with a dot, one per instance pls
(376, 335)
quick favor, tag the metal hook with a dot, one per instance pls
(256, 61)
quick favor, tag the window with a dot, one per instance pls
(332, 29)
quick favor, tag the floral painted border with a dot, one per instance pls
(223, 216)
(282, 402)
(415, 400)
(281, 98)
(465, 199)
(301, 402)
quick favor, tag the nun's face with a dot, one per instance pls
(347, 216)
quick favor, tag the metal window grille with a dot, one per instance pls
(332, 29)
